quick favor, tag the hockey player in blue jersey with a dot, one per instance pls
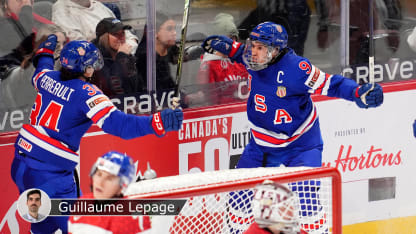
(47, 149)
(284, 121)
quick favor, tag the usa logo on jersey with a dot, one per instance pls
(281, 91)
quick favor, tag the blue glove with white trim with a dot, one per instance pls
(368, 96)
(223, 44)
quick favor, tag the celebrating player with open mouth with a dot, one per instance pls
(284, 121)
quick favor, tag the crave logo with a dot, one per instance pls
(204, 145)
(374, 157)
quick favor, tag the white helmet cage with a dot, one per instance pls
(276, 205)
(255, 65)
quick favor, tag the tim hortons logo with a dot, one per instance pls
(373, 158)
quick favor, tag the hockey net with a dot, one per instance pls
(220, 201)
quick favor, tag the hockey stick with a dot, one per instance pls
(370, 51)
(371, 45)
(175, 101)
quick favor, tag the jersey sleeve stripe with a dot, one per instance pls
(97, 103)
(327, 84)
(321, 87)
(100, 122)
(100, 114)
(35, 79)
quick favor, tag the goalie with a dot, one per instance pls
(275, 210)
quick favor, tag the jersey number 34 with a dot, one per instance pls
(49, 117)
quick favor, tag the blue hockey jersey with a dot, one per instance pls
(63, 111)
(280, 108)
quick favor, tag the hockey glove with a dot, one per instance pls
(46, 48)
(223, 45)
(167, 120)
(365, 96)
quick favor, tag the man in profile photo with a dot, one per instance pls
(33, 203)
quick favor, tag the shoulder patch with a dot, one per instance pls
(94, 102)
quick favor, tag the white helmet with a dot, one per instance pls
(276, 205)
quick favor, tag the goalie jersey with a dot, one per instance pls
(280, 108)
(63, 111)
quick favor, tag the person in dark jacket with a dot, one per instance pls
(119, 74)
(166, 52)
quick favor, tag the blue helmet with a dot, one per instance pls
(116, 164)
(270, 34)
(77, 56)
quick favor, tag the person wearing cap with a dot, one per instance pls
(110, 176)
(166, 52)
(219, 69)
(119, 74)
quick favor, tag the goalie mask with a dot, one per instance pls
(265, 43)
(80, 57)
(116, 164)
(277, 206)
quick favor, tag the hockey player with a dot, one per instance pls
(275, 210)
(110, 176)
(284, 121)
(46, 150)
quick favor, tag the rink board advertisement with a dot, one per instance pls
(372, 148)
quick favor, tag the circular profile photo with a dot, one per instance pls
(34, 205)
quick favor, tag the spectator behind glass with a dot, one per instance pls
(166, 51)
(294, 15)
(119, 74)
(387, 20)
(17, 23)
(80, 17)
(218, 68)
(16, 90)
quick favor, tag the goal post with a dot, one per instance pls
(220, 201)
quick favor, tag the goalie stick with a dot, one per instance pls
(175, 102)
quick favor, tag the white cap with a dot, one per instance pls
(224, 25)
